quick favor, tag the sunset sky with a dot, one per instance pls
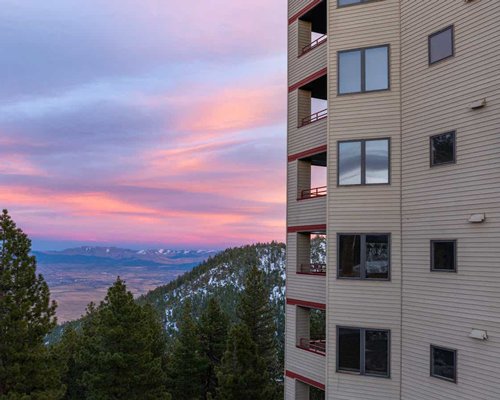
(144, 123)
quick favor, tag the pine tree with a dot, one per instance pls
(243, 375)
(257, 313)
(26, 316)
(187, 365)
(213, 330)
(65, 352)
(122, 353)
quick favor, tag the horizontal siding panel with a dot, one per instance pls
(364, 208)
(442, 308)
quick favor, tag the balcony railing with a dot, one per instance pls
(313, 45)
(312, 193)
(314, 117)
(313, 269)
(317, 346)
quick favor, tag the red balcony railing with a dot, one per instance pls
(312, 193)
(314, 117)
(317, 346)
(313, 269)
(313, 45)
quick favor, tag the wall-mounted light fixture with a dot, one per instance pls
(476, 105)
(477, 218)
(478, 334)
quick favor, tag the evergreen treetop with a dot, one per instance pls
(122, 353)
(242, 375)
(187, 364)
(213, 330)
(26, 316)
(259, 316)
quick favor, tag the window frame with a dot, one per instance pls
(432, 35)
(362, 264)
(455, 258)
(454, 161)
(362, 50)
(355, 4)
(455, 363)
(362, 352)
(363, 162)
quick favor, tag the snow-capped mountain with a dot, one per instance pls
(159, 256)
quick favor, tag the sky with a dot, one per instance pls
(144, 123)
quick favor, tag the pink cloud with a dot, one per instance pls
(209, 170)
(16, 164)
(100, 217)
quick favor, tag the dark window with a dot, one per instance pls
(349, 351)
(363, 70)
(441, 45)
(364, 256)
(443, 255)
(444, 363)
(377, 257)
(343, 3)
(376, 352)
(363, 351)
(363, 162)
(443, 148)
(349, 256)
(316, 394)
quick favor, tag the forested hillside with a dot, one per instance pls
(216, 332)
(222, 276)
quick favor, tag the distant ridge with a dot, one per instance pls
(100, 255)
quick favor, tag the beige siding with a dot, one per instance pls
(290, 389)
(421, 203)
(442, 308)
(364, 209)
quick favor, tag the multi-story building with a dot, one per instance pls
(394, 157)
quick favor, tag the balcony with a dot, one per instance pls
(307, 389)
(313, 193)
(317, 116)
(317, 346)
(313, 101)
(311, 330)
(315, 43)
(306, 39)
(312, 28)
(311, 253)
(311, 176)
(312, 269)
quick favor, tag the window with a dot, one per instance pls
(441, 45)
(363, 351)
(343, 3)
(363, 256)
(363, 70)
(443, 148)
(444, 363)
(443, 255)
(363, 162)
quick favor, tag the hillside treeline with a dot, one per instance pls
(120, 349)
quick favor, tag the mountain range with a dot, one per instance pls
(80, 275)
